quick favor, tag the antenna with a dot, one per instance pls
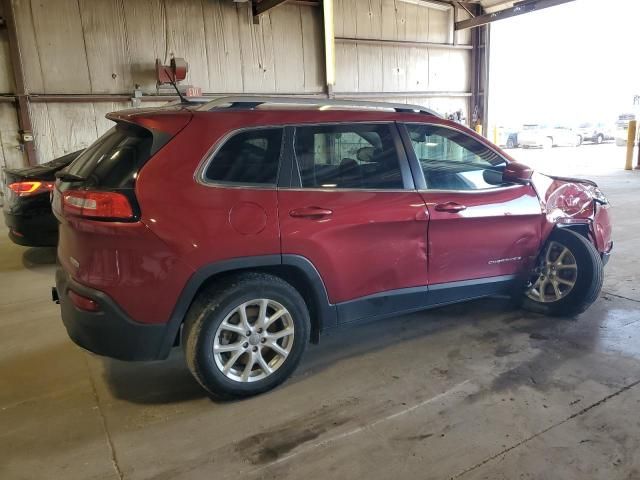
(174, 85)
(172, 74)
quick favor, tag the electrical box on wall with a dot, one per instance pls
(175, 72)
(169, 75)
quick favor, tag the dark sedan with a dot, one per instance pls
(27, 208)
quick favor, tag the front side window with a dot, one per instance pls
(452, 160)
(248, 158)
(348, 156)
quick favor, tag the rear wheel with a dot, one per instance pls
(511, 143)
(547, 142)
(568, 277)
(245, 336)
(599, 139)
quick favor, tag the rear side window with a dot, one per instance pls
(114, 160)
(248, 158)
(348, 156)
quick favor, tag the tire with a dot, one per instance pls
(578, 140)
(547, 143)
(599, 139)
(587, 279)
(223, 302)
(511, 143)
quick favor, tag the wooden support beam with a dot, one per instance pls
(402, 43)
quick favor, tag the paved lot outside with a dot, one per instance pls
(472, 391)
(587, 159)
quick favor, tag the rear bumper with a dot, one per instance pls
(108, 332)
(32, 231)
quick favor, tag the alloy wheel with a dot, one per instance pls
(254, 340)
(556, 275)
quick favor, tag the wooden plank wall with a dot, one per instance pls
(109, 47)
(61, 128)
(362, 67)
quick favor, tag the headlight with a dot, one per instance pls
(597, 195)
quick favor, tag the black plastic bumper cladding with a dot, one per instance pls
(109, 332)
(40, 230)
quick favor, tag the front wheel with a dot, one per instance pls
(547, 143)
(568, 277)
(599, 139)
(246, 335)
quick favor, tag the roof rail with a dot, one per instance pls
(251, 102)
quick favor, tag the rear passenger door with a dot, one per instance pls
(353, 211)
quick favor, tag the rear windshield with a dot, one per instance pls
(114, 159)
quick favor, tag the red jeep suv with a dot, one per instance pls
(245, 227)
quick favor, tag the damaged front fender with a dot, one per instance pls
(574, 202)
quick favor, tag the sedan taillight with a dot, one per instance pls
(94, 204)
(31, 187)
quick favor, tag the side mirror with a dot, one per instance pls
(517, 173)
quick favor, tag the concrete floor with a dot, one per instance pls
(473, 391)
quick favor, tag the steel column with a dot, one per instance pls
(259, 8)
(21, 98)
(519, 8)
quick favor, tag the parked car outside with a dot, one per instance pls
(622, 129)
(534, 135)
(246, 227)
(27, 205)
(595, 132)
(507, 137)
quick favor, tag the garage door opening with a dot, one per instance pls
(563, 86)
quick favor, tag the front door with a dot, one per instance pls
(480, 227)
(354, 213)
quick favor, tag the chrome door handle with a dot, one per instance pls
(310, 212)
(450, 207)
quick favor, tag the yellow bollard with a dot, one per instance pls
(479, 129)
(631, 139)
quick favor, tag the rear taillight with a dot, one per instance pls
(93, 204)
(27, 188)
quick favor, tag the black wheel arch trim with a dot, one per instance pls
(325, 315)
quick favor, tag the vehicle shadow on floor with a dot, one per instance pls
(170, 381)
(361, 339)
(151, 383)
(35, 258)
(491, 321)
